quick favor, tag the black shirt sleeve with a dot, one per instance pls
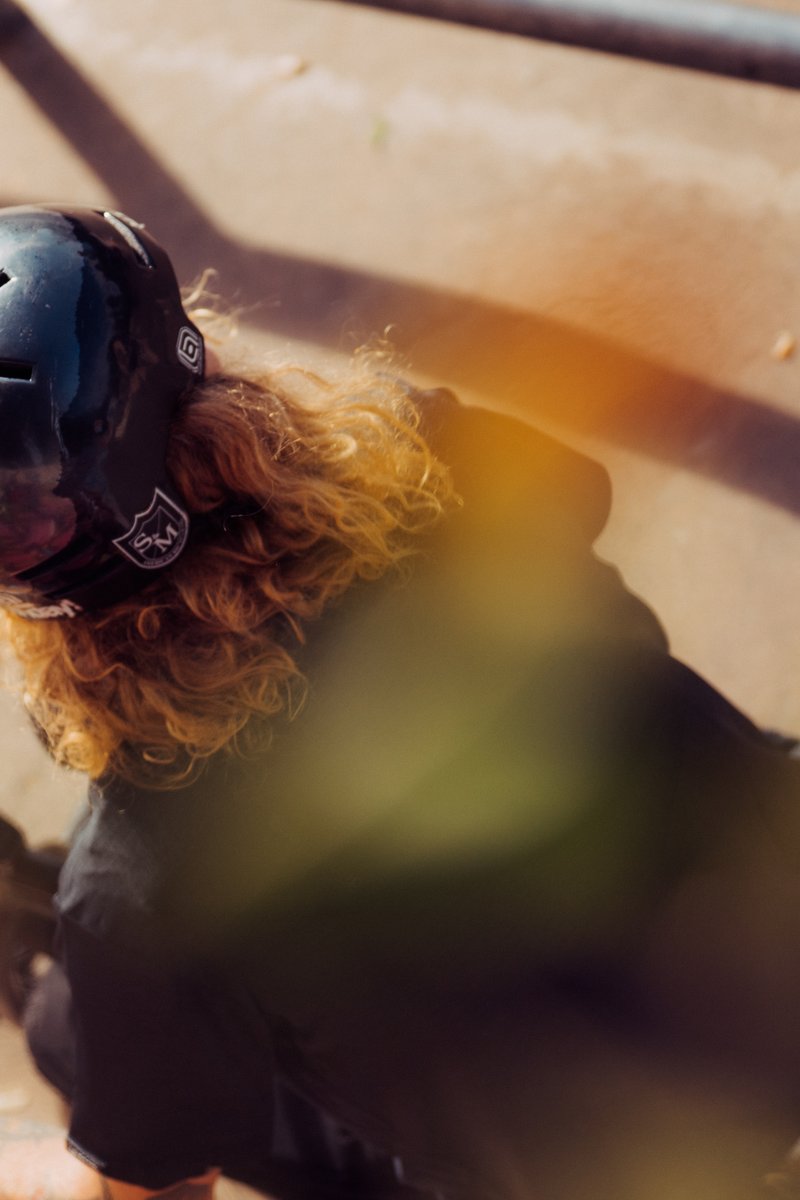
(172, 1071)
(166, 1057)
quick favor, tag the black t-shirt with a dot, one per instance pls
(498, 774)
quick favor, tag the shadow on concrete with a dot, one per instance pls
(559, 376)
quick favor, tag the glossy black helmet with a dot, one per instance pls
(95, 352)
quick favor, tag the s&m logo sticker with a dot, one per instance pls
(189, 349)
(157, 535)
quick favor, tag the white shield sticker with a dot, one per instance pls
(157, 535)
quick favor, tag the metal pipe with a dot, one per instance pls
(758, 44)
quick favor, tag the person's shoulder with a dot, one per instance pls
(108, 879)
(496, 455)
(122, 862)
(148, 867)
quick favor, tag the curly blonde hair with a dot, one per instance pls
(312, 485)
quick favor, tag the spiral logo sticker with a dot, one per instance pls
(190, 349)
(157, 535)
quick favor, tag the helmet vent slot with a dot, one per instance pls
(4, 277)
(11, 369)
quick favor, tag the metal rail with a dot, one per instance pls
(758, 44)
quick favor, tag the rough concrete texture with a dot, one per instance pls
(608, 247)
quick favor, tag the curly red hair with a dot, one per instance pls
(308, 485)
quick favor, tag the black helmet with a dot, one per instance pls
(95, 352)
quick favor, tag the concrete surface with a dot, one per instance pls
(609, 247)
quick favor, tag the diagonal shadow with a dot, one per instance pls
(557, 375)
